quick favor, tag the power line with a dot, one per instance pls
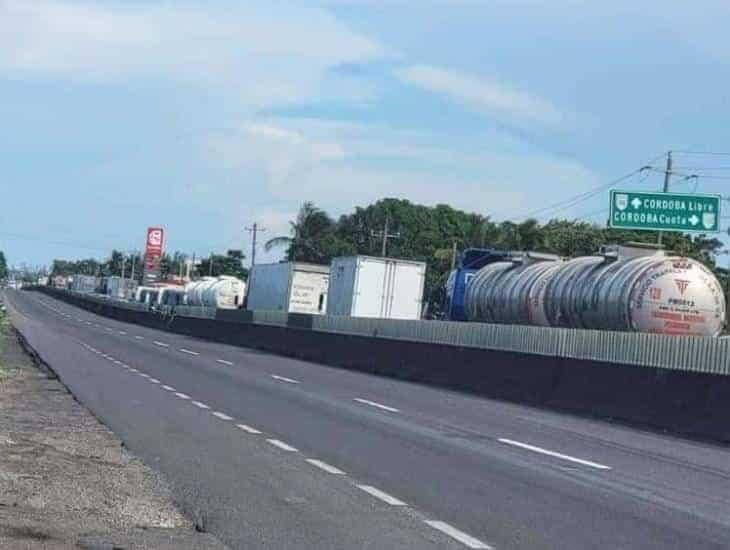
(576, 199)
(707, 153)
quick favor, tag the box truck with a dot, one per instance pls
(365, 286)
(294, 287)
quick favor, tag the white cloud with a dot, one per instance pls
(341, 165)
(266, 53)
(481, 94)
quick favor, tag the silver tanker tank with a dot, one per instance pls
(625, 288)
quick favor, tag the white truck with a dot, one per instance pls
(294, 287)
(385, 288)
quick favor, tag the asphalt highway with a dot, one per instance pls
(271, 452)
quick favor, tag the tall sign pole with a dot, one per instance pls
(385, 235)
(667, 175)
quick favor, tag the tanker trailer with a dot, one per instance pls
(500, 292)
(194, 291)
(224, 293)
(634, 288)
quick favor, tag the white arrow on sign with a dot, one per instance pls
(636, 203)
(694, 220)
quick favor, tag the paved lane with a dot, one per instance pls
(463, 468)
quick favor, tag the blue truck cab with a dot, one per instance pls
(470, 261)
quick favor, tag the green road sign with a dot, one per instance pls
(664, 211)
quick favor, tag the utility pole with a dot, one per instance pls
(453, 257)
(124, 262)
(134, 260)
(667, 175)
(385, 235)
(210, 265)
(254, 230)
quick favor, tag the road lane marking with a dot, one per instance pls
(454, 533)
(222, 416)
(154, 380)
(188, 351)
(377, 405)
(161, 344)
(122, 332)
(200, 405)
(248, 429)
(385, 497)
(284, 379)
(283, 446)
(182, 395)
(88, 323)
(117, 361)
(224, 362)
(139, 337)
(144, 375)
(133, 370)
(326, 467)
(554, 454)
(168, 388)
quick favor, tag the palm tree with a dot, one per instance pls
(308, 233)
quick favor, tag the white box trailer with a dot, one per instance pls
(385, 288)
(294, 287)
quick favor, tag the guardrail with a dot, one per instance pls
(686, 353)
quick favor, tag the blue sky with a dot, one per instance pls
(204, 117)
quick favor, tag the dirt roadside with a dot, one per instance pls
(66, 482)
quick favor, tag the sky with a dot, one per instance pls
(205, 117)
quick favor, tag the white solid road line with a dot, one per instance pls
(224, 362)
(161, 344)
(326, 467)
(168, 388)
(283, 446)
(248, 429)
(222, 416)
(284, 379)
(182, 395)
(454, 533)
(554, 454)
(377, 405)
(200, 405)
(385, 497)
(188, 351)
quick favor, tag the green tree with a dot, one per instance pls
(3, 266)
(312, 236)
(230, 264)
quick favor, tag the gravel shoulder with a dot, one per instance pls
(66, 481)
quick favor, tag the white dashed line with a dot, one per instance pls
(139, 337)
(144, 375)
(88, 323)
(222, 416)
(133, 370)
(182, 395)
(168, 388)
(326, 467)
(188, 351)
(122, 333)
(454, 533)
(377, 405)
(161, 344)
(554, 454)
(200, 405)
(283, 446)
(224, 362)
(248, 429)
(284, 379)
(154, 380)
(385, 497)
(117, 361)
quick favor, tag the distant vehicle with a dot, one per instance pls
(222, 292)
(294, 287)
(470, 261)
(366, 286)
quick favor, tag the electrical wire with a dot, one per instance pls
(576, 199)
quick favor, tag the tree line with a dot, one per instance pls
(171, 265)
(430, 234)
